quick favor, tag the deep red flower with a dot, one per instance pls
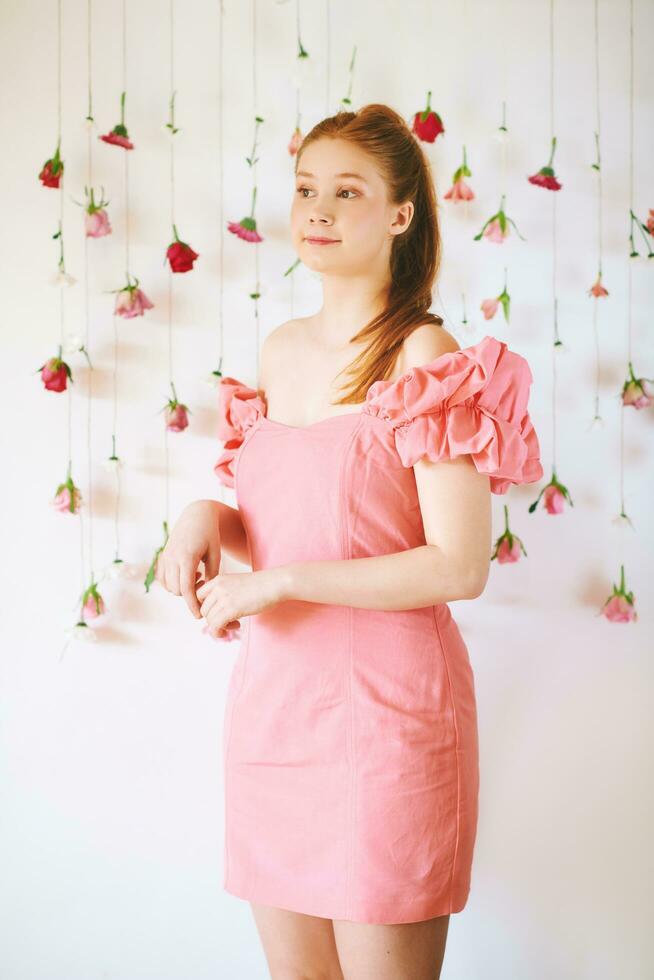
(427, 125)
(180, 255)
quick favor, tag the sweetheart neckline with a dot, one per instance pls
(312, 425)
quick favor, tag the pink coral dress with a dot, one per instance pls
(350, 735)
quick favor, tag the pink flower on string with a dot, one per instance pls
(650, 222)
(508, 546)
(94, 605)
(180, 255)
(176, 413)
(496, 228)
(554, 495)
(131, 301)
(460, 191)
(637, 392)
(620, 607)
(67, 499)
(97, 224)
(489, 308)
(246, 229)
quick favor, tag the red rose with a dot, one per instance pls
(427, 125)
(181, 256)
(54, 374)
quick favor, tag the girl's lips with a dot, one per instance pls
(322, 241)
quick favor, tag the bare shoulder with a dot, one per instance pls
(424, 344)
(276, 349)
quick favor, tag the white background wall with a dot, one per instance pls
(110, 760)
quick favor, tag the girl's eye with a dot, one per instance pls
(345, 190)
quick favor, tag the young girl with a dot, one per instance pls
(350, 751)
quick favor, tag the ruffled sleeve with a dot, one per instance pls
(473, 400)
(239, 406)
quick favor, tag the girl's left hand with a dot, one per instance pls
(230, 595)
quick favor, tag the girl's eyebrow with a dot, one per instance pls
(305, 173)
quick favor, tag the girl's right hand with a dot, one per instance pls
(194, 538)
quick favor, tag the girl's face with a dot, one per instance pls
(340, 196)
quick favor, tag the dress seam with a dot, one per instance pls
(345, 551)
(456, 753)
(235, 698)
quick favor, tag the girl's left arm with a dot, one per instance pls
(455, 502)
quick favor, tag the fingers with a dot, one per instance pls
(188, 572)
(211, 562)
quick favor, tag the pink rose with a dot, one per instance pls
(131, 302)
(460, 191)
(97, 224)
(506, 553)
(637, 394)
(62, 501)
(494, 232)
(176, 417)
(618, 609)
(553, 500)
(94, 605)
(489, 308)
(55, 374)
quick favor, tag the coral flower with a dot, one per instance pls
(597, 289)
(554, 497)
(637, 392)
(460, 191)
(545, 176)
(427, 125)
(494, 232)
(66, 502)
(650, 222)
(176, 417)
(508, 546)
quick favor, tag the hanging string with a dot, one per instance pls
(87, 300)
(328, 58)
(254, 178)
(171, 10)
(555, 343)
(596, 414)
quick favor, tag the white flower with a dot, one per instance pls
(72, 343)
(501, 136)
(80, 632)
(213, 380)
(622, 522)
(111, 464)
(62, 279)
(121, 570)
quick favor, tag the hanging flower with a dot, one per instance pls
(637, 392)
(92, 602)
(96, 219)
(496, 229)
(619, 607)
(176, 413)
(130, 300)
(83, 633)
(554, 496)
(176, 417)
(508, 546)
(68, 498)
(490, 306)
(121, 570)
(545, 176)
(246, 228)
(180, 255)
(597, 289)
(460, 191)
(149, 578)
(55, 373)
(427, 125)
(645, 230)
(119, 135)
(295, 141)
(52, 170)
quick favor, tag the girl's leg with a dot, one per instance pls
(297, 946)
(407, 951)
